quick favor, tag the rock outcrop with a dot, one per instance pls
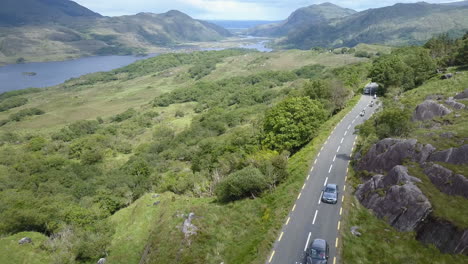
(101, 261)
(25, 240)
(395, 198)
(462, 95)
(447, 181)
(428, 110)
(387, 153)
(444, 235)
(188, 228)
(451, 155)
(454, 104)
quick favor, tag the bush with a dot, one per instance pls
(393, 122)
(243, 183)
(25, 113)
(124, 116)
(361, 54)
(9, 94)
(12, 103)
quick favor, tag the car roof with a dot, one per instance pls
(331, 185)
(319, 243)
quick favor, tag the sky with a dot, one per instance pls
(227, 9)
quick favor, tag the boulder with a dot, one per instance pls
(446, 76)
(462, 95)
(447, 237)
(387, 153)
(25, 240)
(451, 155)
(395, 198)
(454, 104)
(101, 261)
(447, 181)
(355, 232)
(188, 228)
(428, 110)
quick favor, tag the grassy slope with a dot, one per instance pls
(241, 232)
(401, 247)
(12, 252)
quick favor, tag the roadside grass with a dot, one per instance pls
(449, 207)
(12, 252)
(380, 243)
(238, 232)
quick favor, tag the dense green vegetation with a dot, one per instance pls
(67, 181)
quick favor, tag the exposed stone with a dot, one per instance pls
(387, 153)
(156, 203)
(447, 181)
(155, 195)
(447, 135)
(101, 261)
(188, 228)
(428, 110)
(446, 76)
(434, 97)
(354, 231)
(444, 235)
(454, 104)
(395, 198)
(451, 155)
(25, 240)
(462, 95)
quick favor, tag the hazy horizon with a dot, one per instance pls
(260, 10)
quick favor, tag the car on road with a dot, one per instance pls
(363, 112)
(317, 252)
(371, 103)
(330, 193)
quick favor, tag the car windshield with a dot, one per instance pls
(317, 254)
(330, 190)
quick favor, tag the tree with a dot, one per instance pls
(390, 71)
(462, 55)
(243, 183)
(393, 122)
(292, 123)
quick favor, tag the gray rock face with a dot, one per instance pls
(451, 155)
(387, 153)
(188, 228)
(454, 104)
(355, 232)
(101, 261)
(444, 235)
(447, 181)
(462, 95)
(395, 198)
(428, 110)
(25, 240)
(446, 76)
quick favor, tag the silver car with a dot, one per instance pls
(330, 194)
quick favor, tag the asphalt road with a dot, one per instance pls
(310, 218)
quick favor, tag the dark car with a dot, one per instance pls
(330, 193)
(317, 252)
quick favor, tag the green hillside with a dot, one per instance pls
(83, 168)
(400, 24)
(58, 30)
(301, 18)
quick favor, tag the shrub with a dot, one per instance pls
(12, 103)
(124, 116)
(24, 113)
(243, 183)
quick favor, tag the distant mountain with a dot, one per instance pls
(399, 24)
(22, 12)
(58, 29)
(303, 17)
(460, 3)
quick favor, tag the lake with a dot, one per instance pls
(44, 74)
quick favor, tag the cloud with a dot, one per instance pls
(227, 9)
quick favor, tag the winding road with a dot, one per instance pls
(309, 218)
